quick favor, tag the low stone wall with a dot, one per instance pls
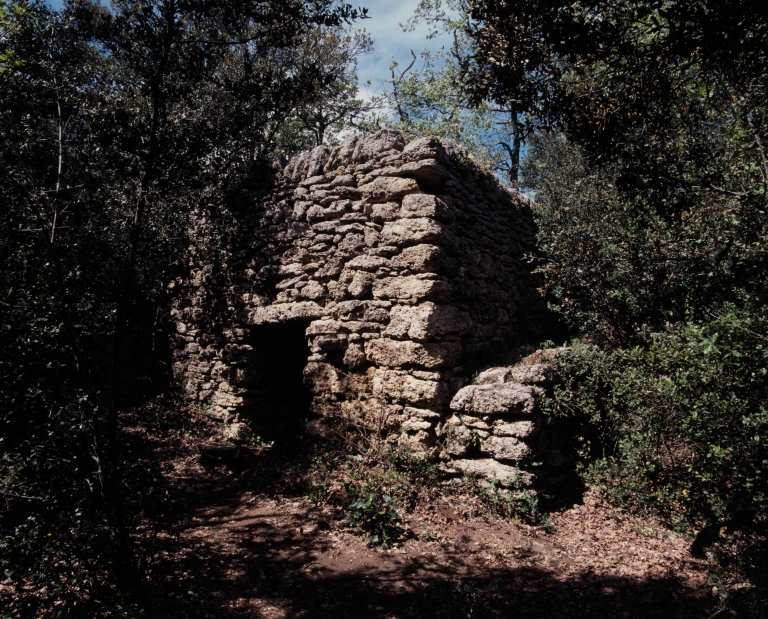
(495, 428)
(401, 262)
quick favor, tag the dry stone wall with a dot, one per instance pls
(496, 431)
(397, 263)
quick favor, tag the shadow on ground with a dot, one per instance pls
(243, 546)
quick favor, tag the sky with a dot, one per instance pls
(390, 41)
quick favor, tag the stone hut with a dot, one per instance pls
(366, 285)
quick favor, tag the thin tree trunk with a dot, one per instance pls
(514, 164)
(125, 293)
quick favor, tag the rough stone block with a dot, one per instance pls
(469, 421)
(395, 354)
(427, 321)
(420, 259)
(518, 429)
(414, 231)
(368, 263)
(505, 448)
(389, 211)
(354, 357)
(425, 205)
(334, 211)
(458, 440)
(285, 312)
(361, 285)
(422, 413)
(537, 374)
(394, 385)
(415, 425)
(322, 378)
(425, 170)
(495, 399)
(491, 470)
(411, 288)
(387, 189)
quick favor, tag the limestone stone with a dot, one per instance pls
(422, 413)
(324, 327)
(361, 285)
(411, 288)
(372, 146)
(395, 354)
(537, 374)
(334, 211)
(343, 180)
(284, 313)
(491, 470)
(367, 263)
(426, 170)
(505, 448)
(431, 147)
(389, 211)
(425, 205)
(312, 180)
(469, 421)
(387, 188)
(313, 290)
(414, 425)
(458, 440)
(518, 429)
(414, 231)
(427, 321)
(422, 258)
(425, 374)
(354, 357)
(322, 378)
(495, 399)
(376, 314)
(394, 385)
(493, 376)
(327, 343)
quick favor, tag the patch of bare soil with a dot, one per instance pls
(236, 537)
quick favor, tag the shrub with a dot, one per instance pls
(677, 427)
(373, 510)
(517, 502)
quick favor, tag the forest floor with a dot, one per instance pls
(236, 536)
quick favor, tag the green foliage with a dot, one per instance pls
(377, 495)
(335, 106)
(679, 426)
(374, 507)
(615, 266)
(429, 95)
(417, 470)
(651, 193)
(117, 124)
(516, 502)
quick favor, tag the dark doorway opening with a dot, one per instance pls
(280, 400)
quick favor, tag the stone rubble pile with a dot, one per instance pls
(495, 430)
(402, 263)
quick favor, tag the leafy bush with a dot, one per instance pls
(679, 426)
(517, 502)
(374, 508)
(618, 266)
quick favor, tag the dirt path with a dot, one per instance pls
(240, 541)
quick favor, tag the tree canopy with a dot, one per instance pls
(118, 123)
